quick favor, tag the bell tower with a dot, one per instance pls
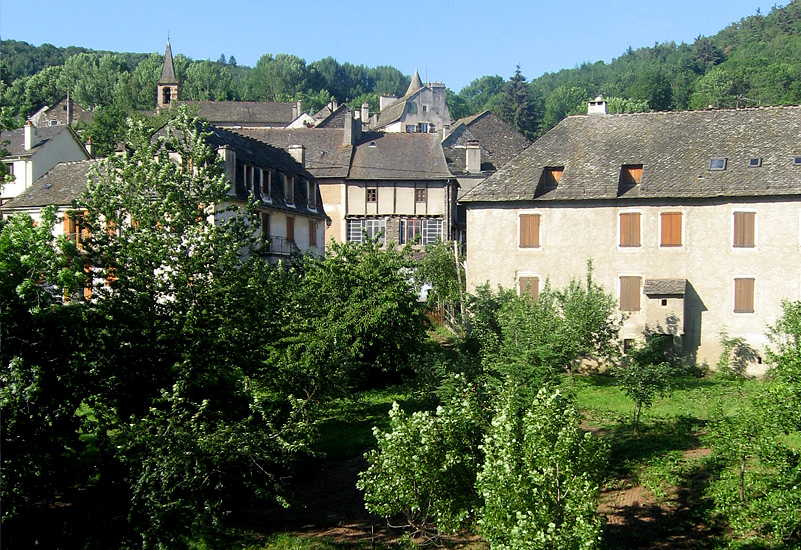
(168, 83)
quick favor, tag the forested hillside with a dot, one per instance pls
(756, 61)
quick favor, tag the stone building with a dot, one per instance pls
(422, 109)
(692, 220)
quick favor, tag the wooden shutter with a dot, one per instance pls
(630, 293)
(743, 295)
(529, 230)
(744, 224)
(630, 229)
(290, 229)
(312, 233)
(671, 229)
(529, 285)
(553, 176)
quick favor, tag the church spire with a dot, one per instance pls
(168, 69)
(416, 83)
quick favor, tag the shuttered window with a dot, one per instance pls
(743, 295)
(529, 230)
(553, 176)
(312, 233)
(631, 174)
(529, 285)
(290, 229)
(630, 229)
(671, 229)
(630, 293)
(744, 226)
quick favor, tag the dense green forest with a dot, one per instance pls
(753, 62)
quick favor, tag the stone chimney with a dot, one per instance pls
(353, 129)
(334, 105)
(385, 101)
(365, 111)
(89, 147)
(297, 110)
(30, 135)
(597, 107)
(298, 153)
(473, 157)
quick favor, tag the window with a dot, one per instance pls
(411, 128)
(166, 95)
(249, 178)
(744, 230)
(257, 176)
(743, 295)
(312, 233)
(631, 174)
(290, 229)
(630, 229)
(373, 228)
(75, 229)
(670, 232)
(420, 194)
(553, 176)
(311, 189)
(265, 226)
(10, 168)
(630, 293)
(717, 163)
(797, 161)
(529, 231)
(427, 230)
(412, 107)
(267, 185)
(529, 285)
(425, 108)
(423, 127)
(289, 184)
(754, 162)
(372, 194)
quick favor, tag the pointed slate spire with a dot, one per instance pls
(168, 69)
(416, 83)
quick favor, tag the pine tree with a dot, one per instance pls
(518, 106)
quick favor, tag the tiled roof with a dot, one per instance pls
(498, 140)
(263, 113)
(398, 156)
(61, 185)
(326, 154)
(168, 69)
(664, 287)
(16, 139)
(674, 149)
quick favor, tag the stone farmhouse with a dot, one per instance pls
(692, 219)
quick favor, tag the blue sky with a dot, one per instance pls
(453, 41)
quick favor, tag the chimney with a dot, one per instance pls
(69, 109)
(473, 157)
(298, 153)
(365, 111)
(89, 147)
(385, 101)
(30, 135)
(334, 105)
(597, 107)
(353, 129)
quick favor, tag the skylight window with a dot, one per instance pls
(797, 161)
(754, 162)
(717, 163)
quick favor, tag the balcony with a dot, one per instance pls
(279, 246)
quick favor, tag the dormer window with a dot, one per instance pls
(797, 161)
(312, 194)
(289, 191)
(267, 185)
(718, 163)
(631, 174)
(553, 176)
(755, 162)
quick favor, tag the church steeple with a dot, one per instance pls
(168, 83)
(415, 84)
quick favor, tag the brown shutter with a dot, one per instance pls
(630, 229)
(290, 229)
(743, 295)
(630, 293)
(312, 233)
(529, 230)
(671, 229)
(744, 224)
(529, 285)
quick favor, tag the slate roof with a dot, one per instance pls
(168, 68)
(664, 287)
(326, 154)
(398, 156)
(415, 84)
(263, 113)
(59, 186)
(674, 149)
(16, 139)
(499, 142)
(392, 113)
(334, 119)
